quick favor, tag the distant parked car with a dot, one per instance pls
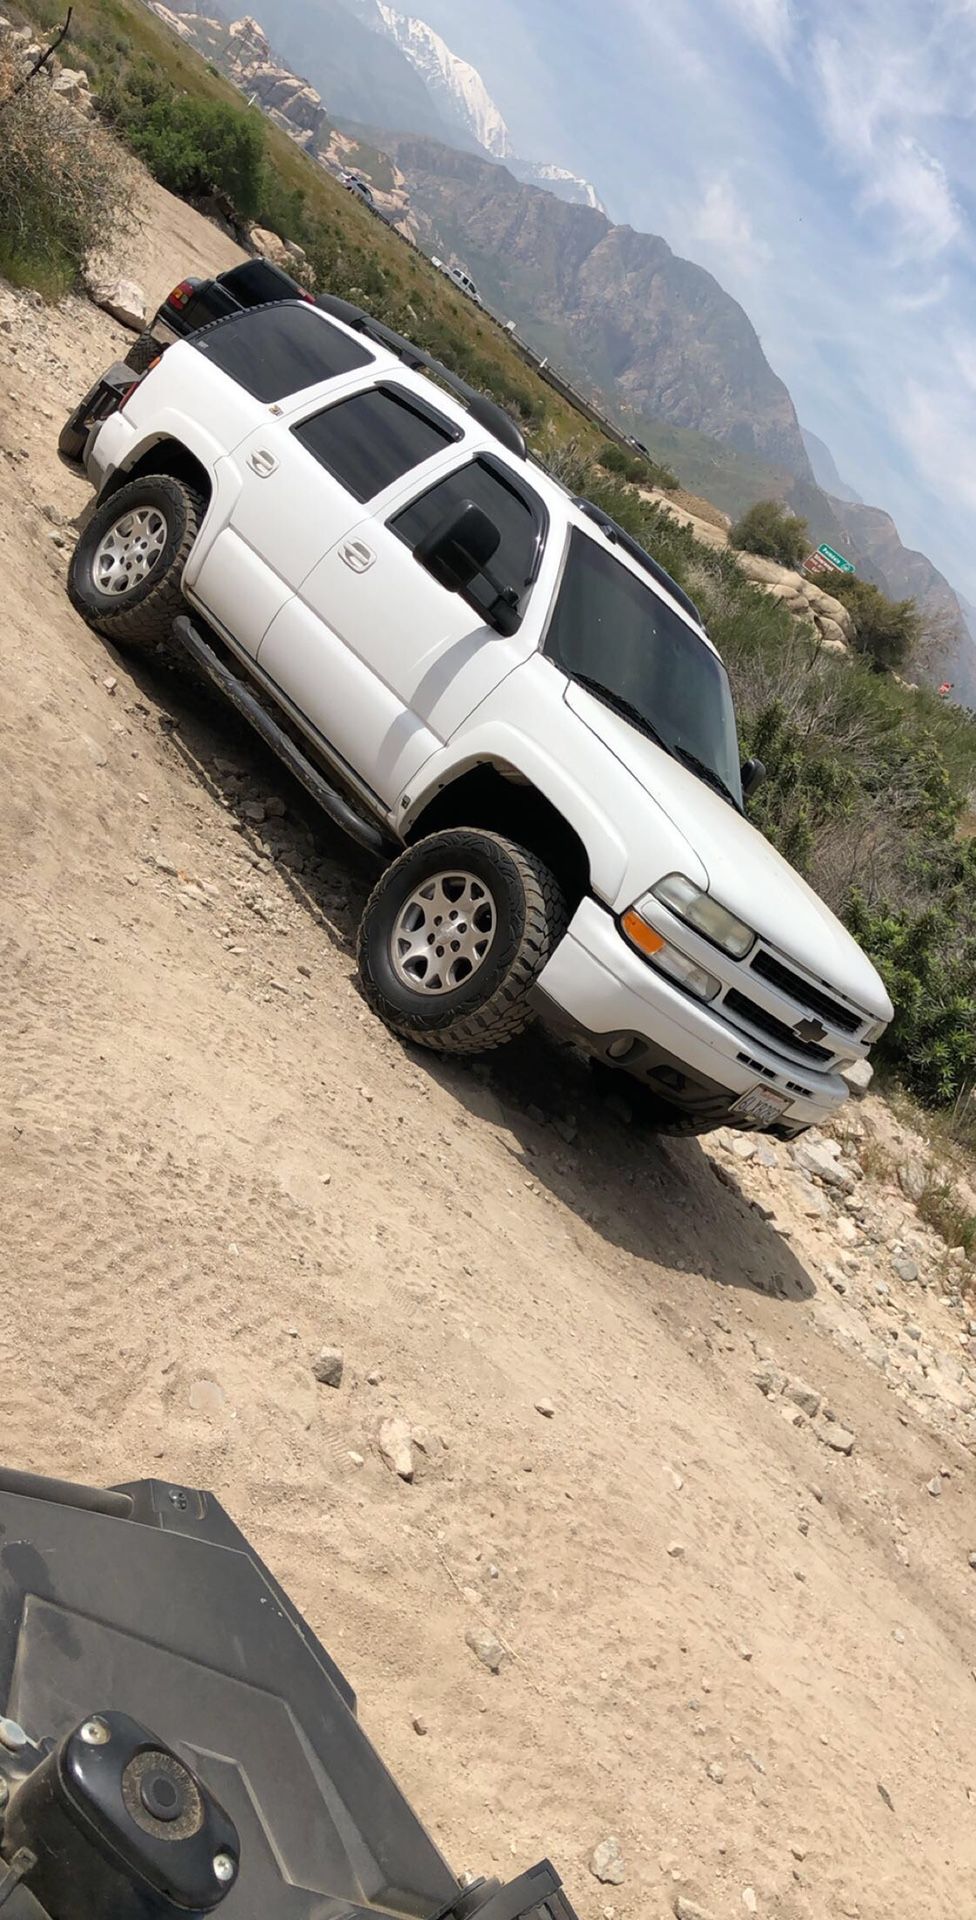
(465, 283)
(460, 278)
(360, 187)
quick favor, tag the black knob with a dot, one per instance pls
(161, 1796)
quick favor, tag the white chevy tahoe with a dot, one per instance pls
(490, 683)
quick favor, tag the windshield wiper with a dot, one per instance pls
(705, 772)
(623, 707)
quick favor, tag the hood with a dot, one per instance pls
(744, 871)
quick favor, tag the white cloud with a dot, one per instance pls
(915, 189)
(724, 229)
(771, 22)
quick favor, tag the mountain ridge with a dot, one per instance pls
(653, 327)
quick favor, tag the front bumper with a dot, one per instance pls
(598, 990)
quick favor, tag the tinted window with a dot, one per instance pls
(520, 521)
(613, 633)
(279, 350)
(369, 440)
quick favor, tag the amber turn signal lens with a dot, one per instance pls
(638, 931)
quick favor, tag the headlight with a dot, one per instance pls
(667, 958)
(705, 915)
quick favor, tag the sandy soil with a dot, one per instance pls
(724, 1639)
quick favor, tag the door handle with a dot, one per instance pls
(357, 555)
(261, 462)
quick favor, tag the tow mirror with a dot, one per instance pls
(752, 774)
(460, 548)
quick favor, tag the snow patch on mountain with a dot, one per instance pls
(458, 90)
(559, 180)
(454, 83)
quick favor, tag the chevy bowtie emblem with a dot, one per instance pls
(811, 1030)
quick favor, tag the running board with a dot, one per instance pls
(240, 696)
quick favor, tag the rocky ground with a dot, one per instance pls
(634, 1489)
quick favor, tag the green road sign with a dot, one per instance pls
(836, 560)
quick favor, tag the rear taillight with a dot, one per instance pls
(181, 295)
(310, 297)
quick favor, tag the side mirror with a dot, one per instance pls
(752, 774)
(460, 548)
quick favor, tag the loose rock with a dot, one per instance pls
(546, 1408)
(607, 1862)
(489, 1651)
(834, 1436)
(687, 1910)
(913, 1179)
(821, 1158)
(396, 1447)
(328, 1367)
(804, 1397)
(906, 1270)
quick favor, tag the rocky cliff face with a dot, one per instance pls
(906, 575)
(260, 74)
(657, 331)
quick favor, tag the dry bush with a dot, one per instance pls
(62, 182)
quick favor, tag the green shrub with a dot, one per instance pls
(635, 467)
(887, 631)
(770, 530)
(61, 186)
(194, 147)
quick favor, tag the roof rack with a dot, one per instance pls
(487, 412)
(621, 538)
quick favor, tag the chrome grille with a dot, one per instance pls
(805, 993)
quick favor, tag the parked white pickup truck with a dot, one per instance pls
(489, 683)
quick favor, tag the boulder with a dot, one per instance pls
(767, 572)
(831, 635)
(831, 609)
(123, 299)
(272, 246)
(72, 85)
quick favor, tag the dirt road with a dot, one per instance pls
(724, 1638)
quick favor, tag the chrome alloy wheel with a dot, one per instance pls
(128, 552)
(443, 933)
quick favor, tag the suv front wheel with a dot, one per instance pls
(455, 935)
(126, 572)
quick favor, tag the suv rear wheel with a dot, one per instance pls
(126, 571)
(454, 936)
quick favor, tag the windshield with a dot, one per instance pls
(617, 636)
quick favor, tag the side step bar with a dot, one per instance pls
(240, 696)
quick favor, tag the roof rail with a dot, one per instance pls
(621, 538)
(487, 412)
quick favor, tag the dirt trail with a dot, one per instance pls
(724, 1638)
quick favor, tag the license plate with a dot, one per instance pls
(761, 1105)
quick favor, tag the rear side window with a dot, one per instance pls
(274, 351)
(371, 439)
(519, 516)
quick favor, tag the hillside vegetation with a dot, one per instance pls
(869, 781)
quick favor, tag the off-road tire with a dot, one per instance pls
(73, 438)
(142, 352)
(140, 620)
(493, 1005)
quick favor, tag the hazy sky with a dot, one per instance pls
(819, 157)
